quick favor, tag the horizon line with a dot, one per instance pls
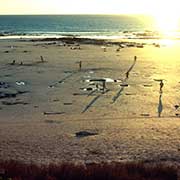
(133, 14)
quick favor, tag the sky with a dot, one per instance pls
(89, 6)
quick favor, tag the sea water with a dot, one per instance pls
(91, 26)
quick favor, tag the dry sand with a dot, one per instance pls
(128, 129)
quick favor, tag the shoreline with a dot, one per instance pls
(129, 42)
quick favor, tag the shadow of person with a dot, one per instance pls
(160, 105)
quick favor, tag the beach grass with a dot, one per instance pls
(15, 170)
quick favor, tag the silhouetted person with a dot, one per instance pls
(80, 65)
(127, 74)
(104, 48)
(161, 85)
(13, 62)
(135, 58)
(104, 85)
(42, 59)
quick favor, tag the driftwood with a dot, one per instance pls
(80, 94)
(14, 103)
(67, 104)
(53, 113)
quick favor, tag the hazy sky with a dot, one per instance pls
(87, 6)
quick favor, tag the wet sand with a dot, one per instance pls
(45, 101)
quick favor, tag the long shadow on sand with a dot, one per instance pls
(160, 105)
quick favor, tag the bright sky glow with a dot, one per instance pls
(168, 15)
(155, 7)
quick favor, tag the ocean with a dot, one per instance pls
(90, 26)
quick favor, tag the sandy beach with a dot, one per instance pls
(53, 111)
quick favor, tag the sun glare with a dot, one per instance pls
(167, 16)
(167, 24)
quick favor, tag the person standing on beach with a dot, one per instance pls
(42, 59)
(135, 58)
(80, 65)
(127, 74)
(13, 62)
(161, 86)
(104, 85)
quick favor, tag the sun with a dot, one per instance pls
(167, 22)
(167, 16)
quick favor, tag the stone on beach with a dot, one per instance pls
(85, 133)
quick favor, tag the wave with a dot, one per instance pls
(93, 35)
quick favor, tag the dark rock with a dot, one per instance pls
(85, 133)
(10, 95)
(147, 85)
(7, 95)
(124, 85)
(176, 106)
(4, 85)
